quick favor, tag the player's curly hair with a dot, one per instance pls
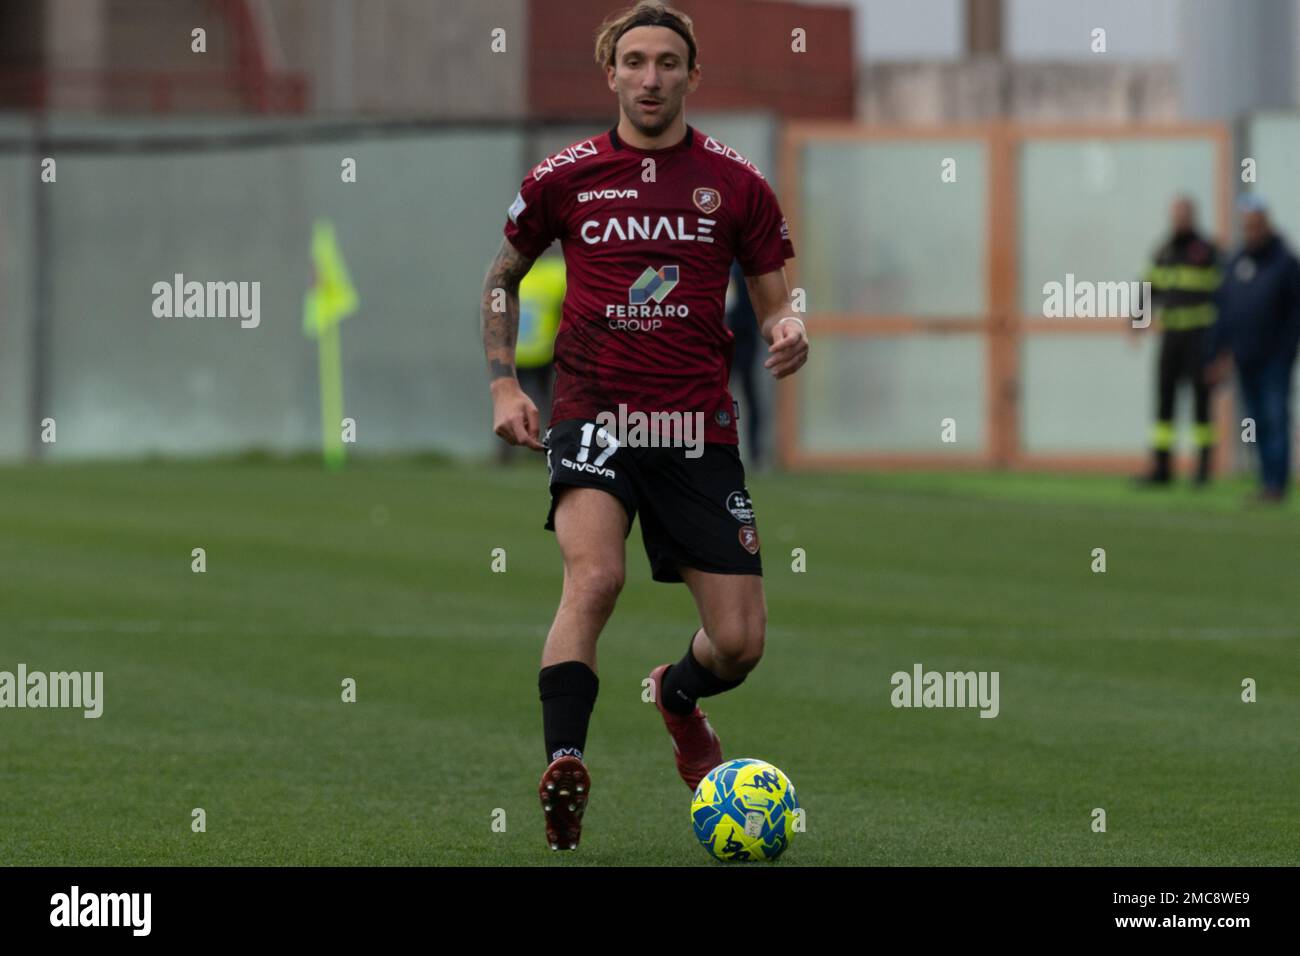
(647, 13)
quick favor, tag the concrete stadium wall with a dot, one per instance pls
(417, 231)
(17, 174)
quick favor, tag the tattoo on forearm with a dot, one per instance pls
(499, 310)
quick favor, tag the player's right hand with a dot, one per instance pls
(514, 416)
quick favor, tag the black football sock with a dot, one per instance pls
(688, 680)
(568, 692)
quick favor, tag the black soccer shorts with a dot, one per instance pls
(695, 512)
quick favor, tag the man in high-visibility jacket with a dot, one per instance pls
(1184, 274)
(541, 301)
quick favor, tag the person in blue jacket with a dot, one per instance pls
(1259, 324)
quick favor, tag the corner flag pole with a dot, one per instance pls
(330, 300)
(331, 396)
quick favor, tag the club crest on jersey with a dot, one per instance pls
(707, 200)
(749, 538)
(653, 285)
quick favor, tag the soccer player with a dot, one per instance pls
(650, 216)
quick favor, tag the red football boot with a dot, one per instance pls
(563, 791)
(696, 747)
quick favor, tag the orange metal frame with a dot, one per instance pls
(1000, 322)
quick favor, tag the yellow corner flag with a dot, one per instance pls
(332, 297)
(330, 300)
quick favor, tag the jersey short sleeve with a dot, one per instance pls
(764, 242)
(529, 223)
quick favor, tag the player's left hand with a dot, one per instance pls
(789, 348)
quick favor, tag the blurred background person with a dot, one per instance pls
(743, 324)
(1184, 274)
(541, 301)
(1258, 326)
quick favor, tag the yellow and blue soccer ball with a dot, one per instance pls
(744, 810)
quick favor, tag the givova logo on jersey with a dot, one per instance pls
(645, 310)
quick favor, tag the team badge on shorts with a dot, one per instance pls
(707, 200)
(749, 538)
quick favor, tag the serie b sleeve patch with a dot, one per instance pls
(516, 208)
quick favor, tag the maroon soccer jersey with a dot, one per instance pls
(646, 270)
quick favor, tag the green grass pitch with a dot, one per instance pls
(222, 690)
